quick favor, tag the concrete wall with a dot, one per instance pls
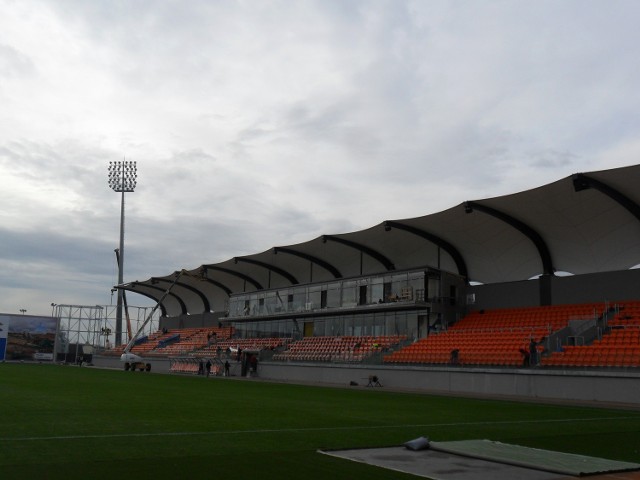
(605, 387)
(505, 295)
(525, 384)
(596, 287)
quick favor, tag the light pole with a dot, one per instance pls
(23, 311)
(122, 178)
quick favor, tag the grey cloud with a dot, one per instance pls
(14, 64)
(553, 159)
(50, 248)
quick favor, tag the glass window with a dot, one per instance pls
(337, 326)
(350, 326)
(380, 324)
(270, 303)
(363, 297)
(398, 282)
(388, 294)
(319, 326)
(412, 325)
(235, 308)
(333, 295)
(314, 300)
(433, 289)
(280, 301)
(299, 299)
(367, 325)
(377, 289)
(350, 293)
(253, 304)
(290, 302)
(395, 324)
(416, 285)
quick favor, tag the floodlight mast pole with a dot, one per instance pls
(122, 178)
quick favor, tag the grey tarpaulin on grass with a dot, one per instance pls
(558, 462)
(440, 465)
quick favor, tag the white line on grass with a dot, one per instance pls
(311, 429)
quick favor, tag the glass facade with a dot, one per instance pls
(394, 303)
(366, 324)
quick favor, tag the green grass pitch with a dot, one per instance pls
(67, 422)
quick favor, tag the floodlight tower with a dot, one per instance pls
(122, 178)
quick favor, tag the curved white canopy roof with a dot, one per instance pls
(584, 223)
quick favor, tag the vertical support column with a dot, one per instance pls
(120, 275)
(544, 282)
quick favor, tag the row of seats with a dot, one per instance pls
(501, 358)
(192, 366)
(223, 346)
(184, 366)
(338, 349)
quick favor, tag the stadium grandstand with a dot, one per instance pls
(536, 293)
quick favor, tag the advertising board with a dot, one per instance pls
(28, 337)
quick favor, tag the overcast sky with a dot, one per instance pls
(257, 123)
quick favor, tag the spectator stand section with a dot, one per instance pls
(617, 344)
(560, 336)
(534, 336)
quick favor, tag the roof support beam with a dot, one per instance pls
(270, 268)
(526, 230)
(318, 261)
(132, 288)
(205, 301)
(441, 243)
(386, 263)
(584, 182)
(183, 307)
(228, 271)
(148, 295)
(221, 286)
